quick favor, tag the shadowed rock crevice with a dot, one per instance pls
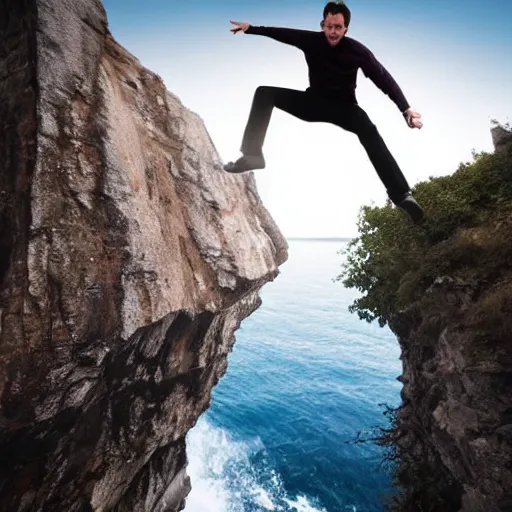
(18, 137)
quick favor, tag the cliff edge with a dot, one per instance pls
(128, 259)
(445, 290)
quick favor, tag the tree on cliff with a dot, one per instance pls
(393, 262)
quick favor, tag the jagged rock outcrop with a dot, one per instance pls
(454, 429)
(501, 138)
(128, 259)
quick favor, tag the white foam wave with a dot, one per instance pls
(301, 504)
(224, 479)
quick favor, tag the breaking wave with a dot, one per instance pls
(228, 475)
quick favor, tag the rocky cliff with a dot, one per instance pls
(128, 259)
(455, 425)
(445, 289)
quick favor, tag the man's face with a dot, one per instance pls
(334, 28)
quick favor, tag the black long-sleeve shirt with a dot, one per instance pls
(333, 70)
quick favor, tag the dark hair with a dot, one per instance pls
(338, 8)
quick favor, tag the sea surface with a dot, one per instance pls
(304, 378)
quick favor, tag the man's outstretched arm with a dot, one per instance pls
(292, 36)
(381, 77)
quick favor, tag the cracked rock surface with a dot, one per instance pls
(128, 259)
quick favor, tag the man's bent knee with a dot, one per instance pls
(265, 90)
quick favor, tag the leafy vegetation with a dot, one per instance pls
(391, 262)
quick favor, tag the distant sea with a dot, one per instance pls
(305, 376)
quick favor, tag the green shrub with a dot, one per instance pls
(391, 261)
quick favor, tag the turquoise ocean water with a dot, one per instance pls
(305, 376)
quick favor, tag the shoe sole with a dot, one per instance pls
(231, 167)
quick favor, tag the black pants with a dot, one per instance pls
(311, 107)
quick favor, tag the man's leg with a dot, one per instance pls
(297, 103)
(354, 119)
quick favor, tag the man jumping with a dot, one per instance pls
(333, 61)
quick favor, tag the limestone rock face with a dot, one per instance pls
(128, 259)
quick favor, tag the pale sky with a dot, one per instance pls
(454, 65)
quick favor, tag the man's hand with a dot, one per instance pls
(240, 26)
(413, 118)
